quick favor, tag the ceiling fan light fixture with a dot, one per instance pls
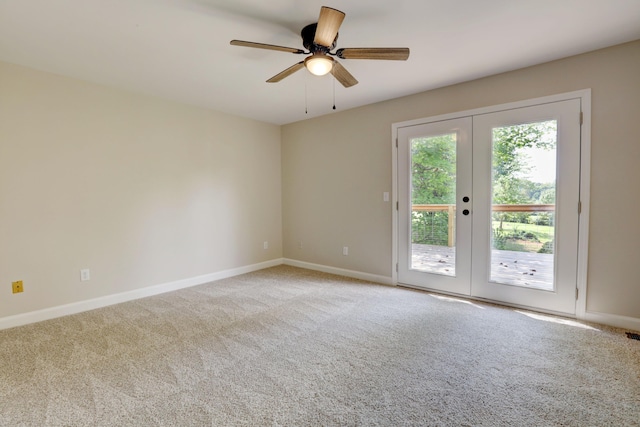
(319, 64)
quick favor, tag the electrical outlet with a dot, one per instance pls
(17, 287)
(345, 250)
(265, 245)
(85, 274)
(300, 244)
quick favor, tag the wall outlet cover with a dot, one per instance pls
(17, 287)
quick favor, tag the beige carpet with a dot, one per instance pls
(290, 347)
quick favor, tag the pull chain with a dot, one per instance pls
(334, 93)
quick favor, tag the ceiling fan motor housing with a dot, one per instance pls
(308, 33)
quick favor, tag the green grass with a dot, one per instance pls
(544, 232)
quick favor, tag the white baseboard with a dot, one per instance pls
(340, 272)
(624, 322)
(92, 304)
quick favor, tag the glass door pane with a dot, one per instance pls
(523, 191)
(433, 199)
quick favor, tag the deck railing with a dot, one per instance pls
(495, 208)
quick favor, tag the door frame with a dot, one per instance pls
(585, 177)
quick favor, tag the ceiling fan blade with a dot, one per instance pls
(342, 75)
(265, 46)
(388, 53)
(328, 24)
(286, 73)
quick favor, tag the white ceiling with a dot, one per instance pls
(179, 49)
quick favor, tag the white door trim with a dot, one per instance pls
(585, 176)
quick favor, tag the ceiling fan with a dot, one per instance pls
(319, 39)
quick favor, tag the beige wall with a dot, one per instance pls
(335, 169)
(141, 191)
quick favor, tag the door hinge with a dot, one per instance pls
(579, 207)
(397, 206)
(577, 292)
(581, 117)
(396, 142)
(396, 267)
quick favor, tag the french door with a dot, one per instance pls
(434, 240)
(488, 205)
